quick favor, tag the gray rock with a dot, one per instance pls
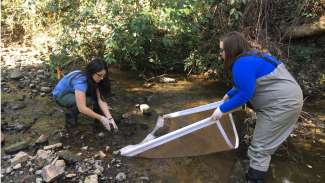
(16, 74)
(51, 172)
(120, 176)
(167, 80)
(39, 180)
(32, 85)
(38, 172)
(20, 157)
(6, 157)
(18, 106)
(91, 179)
(16, 147)
(42, 139)
(53, 146)
(45, 89)
(9, 170)
(68, 156)
(17, 166)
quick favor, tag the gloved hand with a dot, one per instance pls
(105, 121)
(113, 123)
(226, 97)
(217, 114)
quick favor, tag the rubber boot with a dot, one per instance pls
(255, 176)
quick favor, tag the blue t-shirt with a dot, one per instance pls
(245, 71)
(71, 82)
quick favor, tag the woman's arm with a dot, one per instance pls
(82, 107)
(104, 107)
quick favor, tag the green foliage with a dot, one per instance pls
(146, 36)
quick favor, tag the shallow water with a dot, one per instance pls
(292, 165)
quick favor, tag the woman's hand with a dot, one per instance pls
(113, 123)
(217, 114)
(226, 97)
(107, 122)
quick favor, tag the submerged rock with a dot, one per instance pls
(16, 147)
(68, 156)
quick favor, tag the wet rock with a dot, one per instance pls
(32, 85)
(68, 156)
(91, 179)
(60, 163)
(39, 180)
(99, 168)
(28, 179)
(120, 176)
(9, 170)
(40, 71)
(70, 175)
(40, 163)
(53, 146)
(21, 85)
(22, 127)
(42, 139)
(17, 166)
(18, 106)
(20, 157)
(116, 152)
(148, 85)
(6, 157)
(42, 154)
(101, 134)
(85, 148)
(16, 147)
(45, 89)
(52, 172)
(16, 74)
(167, 80)
(38, 172)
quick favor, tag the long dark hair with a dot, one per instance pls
(104, 86)
(234, 44)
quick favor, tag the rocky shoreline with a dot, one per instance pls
(45, 157)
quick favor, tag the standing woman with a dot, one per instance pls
(80, 89)
(264, 82)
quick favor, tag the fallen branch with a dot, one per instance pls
(305, 30)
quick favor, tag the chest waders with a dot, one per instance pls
(277, 102)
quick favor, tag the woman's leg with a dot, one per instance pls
(68, 101)
(271, 129)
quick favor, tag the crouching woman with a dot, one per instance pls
(79, 90)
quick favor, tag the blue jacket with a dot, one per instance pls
(245, 71)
